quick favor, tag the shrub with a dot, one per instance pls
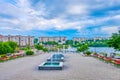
(45, 49)
(39, 47)
(88, 53)
(13, 45)
(5, 48)
(82, 48)
(29, 52)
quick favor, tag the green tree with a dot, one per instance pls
(69, 42)
(51, 43)
(82, 48)
(39, 47)
(65, 46)
(115, 41)
(5, 48)
(45, 49)
(12, 44)
(35, 41)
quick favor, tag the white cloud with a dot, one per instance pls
(110, 29)
(77, 9)
(28, 18)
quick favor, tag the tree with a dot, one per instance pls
(13, 45)
(45, 49)
(65, 46)
(5, 48)
(69, 42)
(39, 47)
(36, 41)
(51, 43)
(82, 48)
(115, 41)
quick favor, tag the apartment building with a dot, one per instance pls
(94, 39)
(20, 40)
(56, 39)
(101, 38)
(79, 39)
(1, 38)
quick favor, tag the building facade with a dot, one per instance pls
(101, 38)
(55, 39)
(79, 39)
(94, 39)
(20, 40)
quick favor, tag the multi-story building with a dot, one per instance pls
(79, 39)
(94, 39)
(101, 38)
(56, 39)
(1, 38)
(20, 40)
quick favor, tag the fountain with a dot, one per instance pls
(51, 64)
(56, 57)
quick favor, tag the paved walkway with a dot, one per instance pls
(76, 67)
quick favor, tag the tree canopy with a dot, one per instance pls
(7, 47)
(115, 41)
(82, 48)
(39, 47)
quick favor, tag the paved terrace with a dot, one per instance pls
(76, 67)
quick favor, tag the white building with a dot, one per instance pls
(20, 40)
(79, 39)
(101, 38)
(56, 39)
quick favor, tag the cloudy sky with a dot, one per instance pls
(71, 18)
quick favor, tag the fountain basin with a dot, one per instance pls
(51, 66)
(56, 57)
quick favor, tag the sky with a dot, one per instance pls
(71, 18)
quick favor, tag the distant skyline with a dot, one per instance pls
(71, 18)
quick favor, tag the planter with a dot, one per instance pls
(3, 58)
(107, 58)
(117, 61)
(101, 57)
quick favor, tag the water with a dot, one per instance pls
(107, 50)
(51, 59)
(53, 64)
(102, 49)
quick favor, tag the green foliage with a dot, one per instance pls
(77, 44)
(60, 46)
(88, 53)
(96, 43)
(50, 43)
(39, 47)
(25, 48)
(82, 48)
(118, 54)
(115, 41)
(28, 48)
(36, 41)
(29, 52)
(7, 47)
(65, 46)
(13, 45)
(22, 48)
(69, 42)
(45, 50)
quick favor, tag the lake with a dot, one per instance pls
(103, 49)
